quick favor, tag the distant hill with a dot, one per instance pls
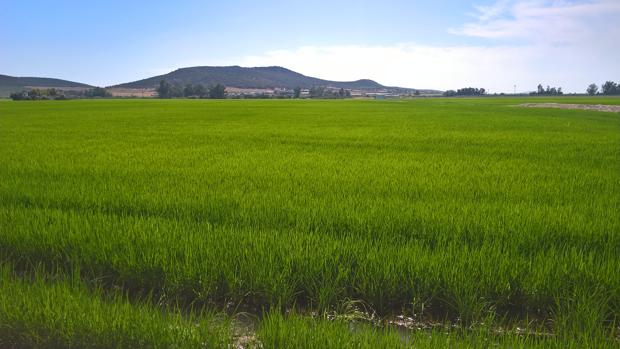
(10, 84)
(232, 76)
(240, 77)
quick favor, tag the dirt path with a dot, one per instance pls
(597, 107)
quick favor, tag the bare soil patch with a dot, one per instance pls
(597, 107)
(133, 92)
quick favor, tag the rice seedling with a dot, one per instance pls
(463, 209)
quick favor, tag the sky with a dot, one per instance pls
(501, 45)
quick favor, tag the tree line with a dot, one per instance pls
(37, 94)
(609, 88)
(167, 90)
(549, 91)
(322, 92)
(218, 91)
(466, 91)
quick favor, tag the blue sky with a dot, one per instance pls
(422, 44)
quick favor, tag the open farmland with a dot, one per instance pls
(500, 220)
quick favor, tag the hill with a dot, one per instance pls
(10, 84)
(241, 77)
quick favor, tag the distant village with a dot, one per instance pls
(228, 92)
(218, 91)
(316, 92)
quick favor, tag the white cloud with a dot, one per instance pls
(400, 65)
(553, 22)
(418, 66)
(558, 43)
(485, 13)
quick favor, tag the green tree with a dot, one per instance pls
(188, 91)
(297, 92)
(200, 91)
(97, 92)
(317, 92)
(18, 96)
(217, 92)
(35, 93)
(163, 91)
(176, 91)
(609, 88)
(592, 89)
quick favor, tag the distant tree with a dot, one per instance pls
(417, 92)
(592, 89)
(328, 94)
(317, 92)
(97, 92)
(176, 91)
(35, 93)
(200, 91)
(163, 91)
(217, 92)
(19, 96)
(610, 88)
(466, 91)
(297, 92)
(549, 91)
(188, 91)
(341, 93)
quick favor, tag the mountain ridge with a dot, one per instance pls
(270, 77)
(7, 80)
(9, 84)
(247, 77)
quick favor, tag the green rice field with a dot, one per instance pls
(423, 223)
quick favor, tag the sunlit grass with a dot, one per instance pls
(457, 209)
(36, 312)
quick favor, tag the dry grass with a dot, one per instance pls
(597, 107)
